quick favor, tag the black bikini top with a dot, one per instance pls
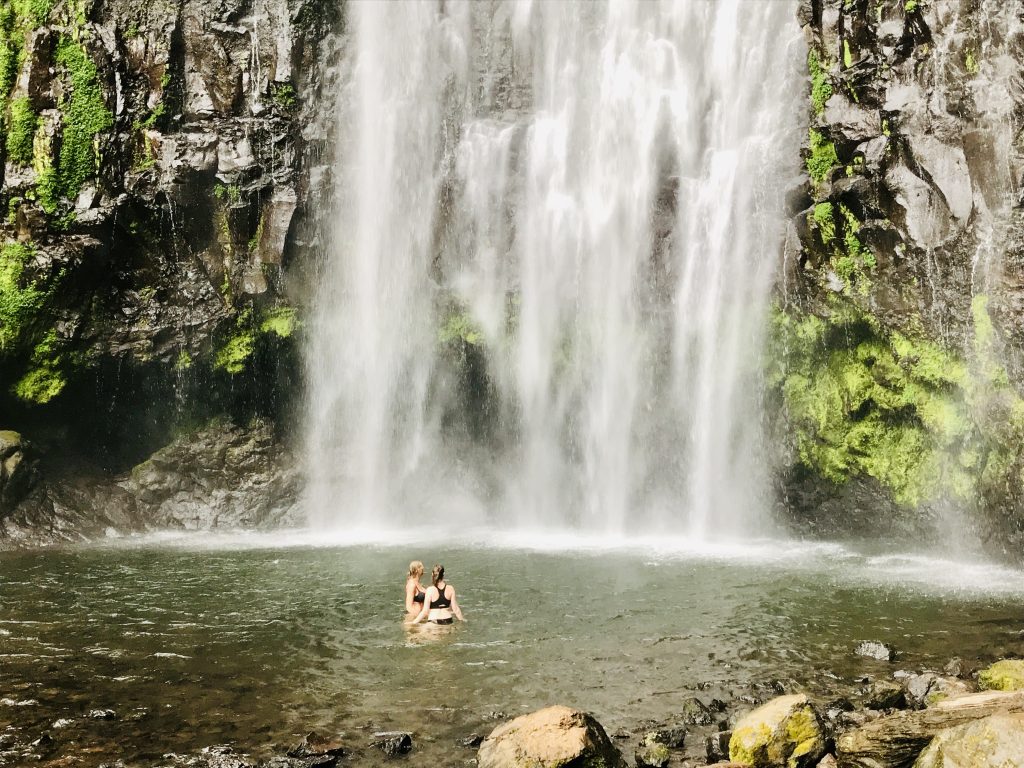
(443, 601)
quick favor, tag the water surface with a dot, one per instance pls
(255, 640)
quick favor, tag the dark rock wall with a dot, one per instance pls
(897, 337)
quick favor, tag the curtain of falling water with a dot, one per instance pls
(596, 190)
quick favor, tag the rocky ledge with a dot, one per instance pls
(222, 476)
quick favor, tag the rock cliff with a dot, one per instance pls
(897, 336)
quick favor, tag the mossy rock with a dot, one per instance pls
(1005, 675)
(784, 733)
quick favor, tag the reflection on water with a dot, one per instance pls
(256, 645)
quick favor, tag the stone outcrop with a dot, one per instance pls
(220, 477)
(993, 742)
(895, 741)
(548, 738)
(784, 733)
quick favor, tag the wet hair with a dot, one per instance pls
(437, 574)
(415, 569)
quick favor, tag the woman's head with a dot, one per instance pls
(437, 574)
(415, 569)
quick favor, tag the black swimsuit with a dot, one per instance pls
(443, 601)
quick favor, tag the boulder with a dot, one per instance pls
(896, 740)
(651, 753)
(885, 694)
(873, 649)
(1005, 675)
(550, 737)
(392, 743)
(315, 744)
(992, 742)
(785, 732)
(695, 712)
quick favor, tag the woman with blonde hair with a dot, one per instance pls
(414, 592)
(439, 604)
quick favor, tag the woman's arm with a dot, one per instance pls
(427, 599)
(455, 607)
(410, 593)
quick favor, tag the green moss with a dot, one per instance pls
(971, 62)
(34, 12)
(257, 236)
(910, 6)
(459, 327)
(20, 303)
(1005, 675)
(84, 116)
(803, 733)
(45, 378)
(283, 95)
(822, 158)
(21, 131)
(823, 217)
(847, 54)
(866, 401)
(233, 356)
(280, 321)
(183, 362)
(821, 85)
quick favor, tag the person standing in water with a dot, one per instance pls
(439, 604)
(414, 592)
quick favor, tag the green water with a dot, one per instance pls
(254, 643)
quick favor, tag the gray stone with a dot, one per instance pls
(874, 649)
(993, 742)
(547, 738)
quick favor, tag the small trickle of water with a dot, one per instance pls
(564, 217)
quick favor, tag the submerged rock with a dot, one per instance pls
(993, 742)
(550, 737)
(315, 744)
(785, 732)
(873, 649)
(651, 753)
(695, 712)
(885, 694)
(1005, 675)
(392, 743)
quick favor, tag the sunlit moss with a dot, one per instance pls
(822, 157)
(280, 321)
(20, 131)
(45, 378)
(863, 400)
(821, 85)
(20, 301)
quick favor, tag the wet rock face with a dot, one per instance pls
(17, 474)
(907, 246)
(161, 177)
(220, 477)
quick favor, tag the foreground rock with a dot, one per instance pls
(896, 741)
(993, 742)
(550, 737)
(784, 732)
(1005, 675)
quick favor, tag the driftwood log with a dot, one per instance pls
(896, 741)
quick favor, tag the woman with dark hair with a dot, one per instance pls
(439, 604)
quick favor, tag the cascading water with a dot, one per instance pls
(563, 218)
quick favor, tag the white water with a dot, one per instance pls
(597, 189)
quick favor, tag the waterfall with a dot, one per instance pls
(557, 230)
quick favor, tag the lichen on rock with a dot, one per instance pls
(784, 733)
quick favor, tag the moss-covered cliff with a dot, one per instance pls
(895, 358)
(157, 157)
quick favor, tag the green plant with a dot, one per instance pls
(20, 303)
(45, 378)
(21, 131)
(821, 85)
(283, 95)
(822, 157)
